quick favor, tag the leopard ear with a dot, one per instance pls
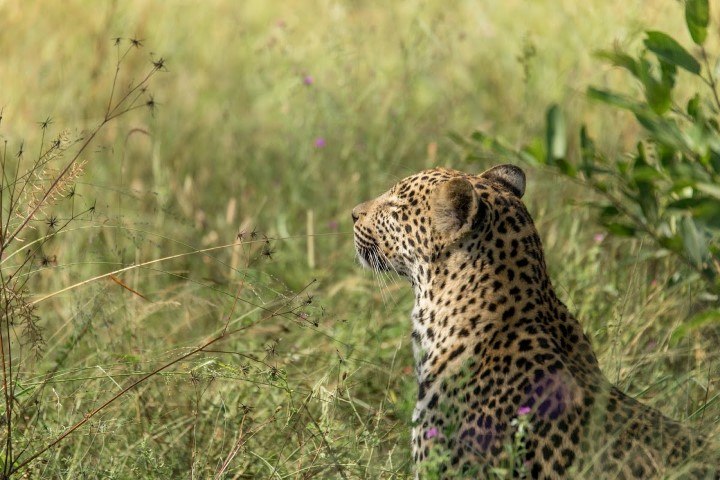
(510, 177)
(453, 206)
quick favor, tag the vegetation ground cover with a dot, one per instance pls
(222, 206)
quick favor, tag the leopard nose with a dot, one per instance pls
(359, 211)
(355, 215)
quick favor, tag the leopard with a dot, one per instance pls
(508, 383)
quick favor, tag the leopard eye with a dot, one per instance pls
(391, 206)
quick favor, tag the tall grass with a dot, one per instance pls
(227, 210)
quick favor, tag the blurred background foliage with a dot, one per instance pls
(667, 189)
(272, 120)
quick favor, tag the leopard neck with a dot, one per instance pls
(473, 290)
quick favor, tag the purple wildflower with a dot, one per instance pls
(432, 432)
(524, 410)
(308, 80)
(599, 237)
(319, 142)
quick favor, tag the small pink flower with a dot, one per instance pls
(319, 142)
(432, 432)
(308, 80)
(599, 237)
(524, 410)
(333, 225)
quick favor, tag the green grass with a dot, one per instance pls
(327, 389)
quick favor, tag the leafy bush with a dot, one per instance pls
(668, 188)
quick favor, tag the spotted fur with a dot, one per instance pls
(495, 346)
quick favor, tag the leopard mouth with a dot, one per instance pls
(371, 257)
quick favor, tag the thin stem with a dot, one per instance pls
(276, 312)
(11, 207)
(112, 89)
(12, 287)
(112, 399)
(119, 61)
(53, 185)
(42, 142)
(41, 161)
(3, 179)
(109, 115)
(123, 112)
(330, 450)
(711, 78)
(38, 245)
(9, 390)
(138, 86)
(124, 269)
(6, 390)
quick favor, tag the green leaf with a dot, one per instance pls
(693, 240)
(648, 202)
(664, 130)
(587, 152)
(710, 189)
(642, 171)
(671, 242)
(657, 95)
(534, 150)
(644, 176)
(668, 71)
(458, 139)
(708, 213)
(621, 229)
(566, 167)
(495, 145)
(657, 90)
(556, 135)
(612, 98)
(693, 107)
(698, 321)
(619, 59)
(715, 160)
(608, 213)
(668, 49)
(685, 204)
(697, 17)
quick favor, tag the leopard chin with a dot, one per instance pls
(371, 258)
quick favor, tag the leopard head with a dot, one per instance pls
(425, 216)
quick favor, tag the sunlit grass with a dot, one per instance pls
(233, 149)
